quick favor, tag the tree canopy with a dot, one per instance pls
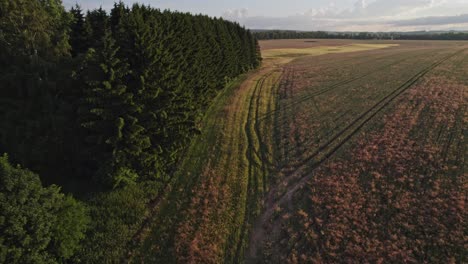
(102, 104)
(38, 224)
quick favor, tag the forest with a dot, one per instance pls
(290, 34)
(97, 108)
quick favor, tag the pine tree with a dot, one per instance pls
(174, 64)
(229, 53)
(80, 32)
(97, 22)
(117, 14)
(108, 115)
(258, 54)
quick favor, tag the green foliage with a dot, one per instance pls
(38, 225)
(69, 229)
(98, 23)
(99, 103)
(80, 32)
(172, 65)
(142, 80)
(107, 114)
(33, 27)
(34, 44)
(116, 217)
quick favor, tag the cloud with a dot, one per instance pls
(427, 21)
(390, 8)
(366, 15)
(236, 14)
(385, 8)
(323, 12)
(304, 22)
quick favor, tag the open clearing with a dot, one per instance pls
(348, 151)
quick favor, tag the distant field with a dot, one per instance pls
(309, 43)
(301, 43)
(322, 50)
(334, 151)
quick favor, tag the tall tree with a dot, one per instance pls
(80, 32)
(117, 14)
(98, 23)
(114, 137)
(177, 63)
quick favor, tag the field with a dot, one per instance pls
(332, 151)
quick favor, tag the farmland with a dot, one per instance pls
(181, 133)
(333, 150)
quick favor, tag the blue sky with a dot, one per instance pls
(338, 15)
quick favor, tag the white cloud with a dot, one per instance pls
(323, 12)
(236, 14)
(367, 15)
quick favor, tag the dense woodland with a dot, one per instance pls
(104, 106)
(290, 34)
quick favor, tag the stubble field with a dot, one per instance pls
(333, 151)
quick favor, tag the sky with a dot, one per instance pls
(338, 15)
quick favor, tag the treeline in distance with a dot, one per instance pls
(103, 105)
(289, 34)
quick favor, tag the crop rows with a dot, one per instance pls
(340, 135)
(366, 201)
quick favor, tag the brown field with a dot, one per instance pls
(370, 151)
(334, 151)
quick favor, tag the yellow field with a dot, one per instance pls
(321, 50)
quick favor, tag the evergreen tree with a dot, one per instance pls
(80, 32)
(114, 136)
(98, 23)
(258, 54)
(122, 108)
(228, 58)
(117, 14)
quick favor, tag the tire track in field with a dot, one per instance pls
(314, 154)
(287, 87)
(286, 90)
(383, 102)
(341, 83)
(373, 111)
(446, 135)
(328, 150)
(255, 160)
(263, 146)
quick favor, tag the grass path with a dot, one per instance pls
(231, 152)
